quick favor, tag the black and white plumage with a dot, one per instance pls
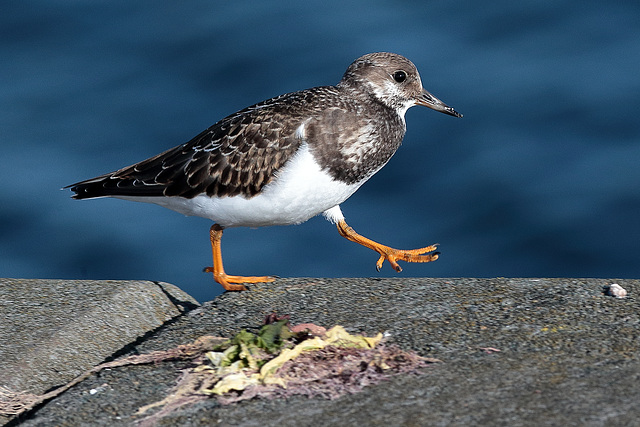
(286, 159)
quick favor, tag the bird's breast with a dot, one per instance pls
(352, 147)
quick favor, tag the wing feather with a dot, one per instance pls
(239, 155)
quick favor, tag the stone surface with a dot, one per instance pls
(515, 352)
(53, 330)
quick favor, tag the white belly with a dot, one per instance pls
(300, 191)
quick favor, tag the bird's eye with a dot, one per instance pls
(399, 76)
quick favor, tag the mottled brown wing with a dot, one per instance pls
(236, 156)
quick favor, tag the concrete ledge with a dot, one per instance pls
(53, 330)
(516, 352)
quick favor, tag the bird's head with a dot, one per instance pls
(392, 80)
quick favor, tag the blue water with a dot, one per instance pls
(540, 178)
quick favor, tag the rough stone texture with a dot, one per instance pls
(53, 330)
(515, 352)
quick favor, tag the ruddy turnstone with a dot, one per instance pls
(285, 160)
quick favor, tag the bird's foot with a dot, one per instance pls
(234, 283)
(409, 255)
(386, 253)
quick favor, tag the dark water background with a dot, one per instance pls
(540, 178)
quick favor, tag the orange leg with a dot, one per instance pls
(390, 254)
(219, 275)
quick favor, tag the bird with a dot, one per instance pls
(285, 160)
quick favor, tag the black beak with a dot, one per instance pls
(428, 100)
